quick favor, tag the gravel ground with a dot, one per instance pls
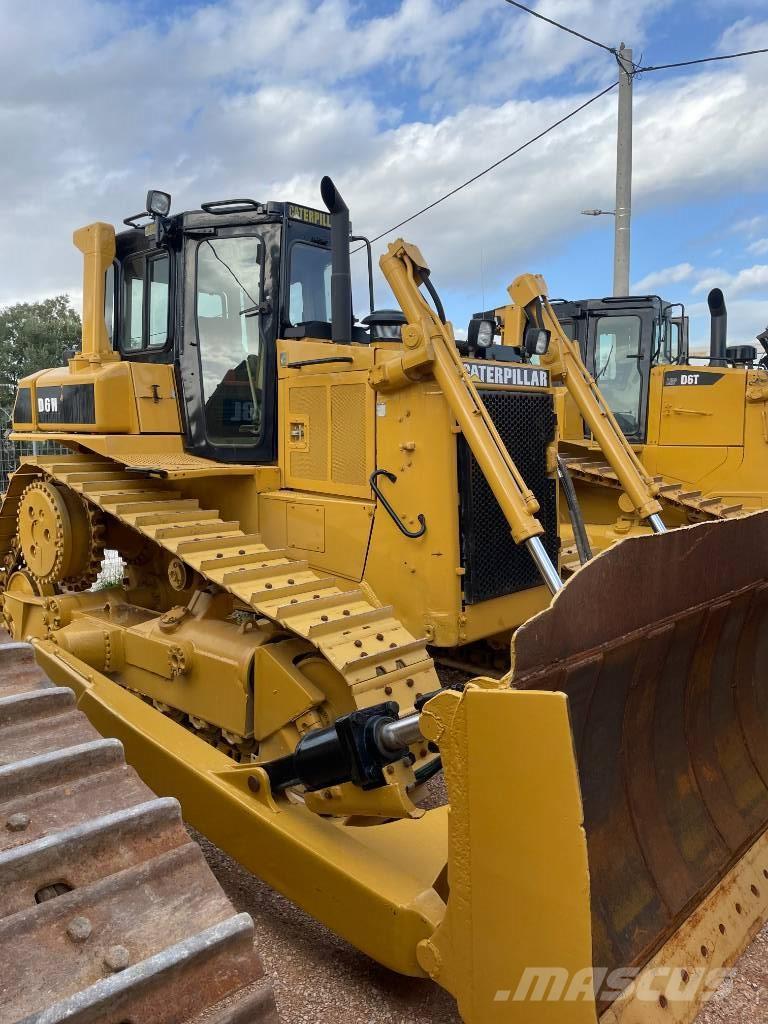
(319, 977)
(744, 998)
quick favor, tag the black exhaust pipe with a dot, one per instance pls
(341, 278)
(718, 331)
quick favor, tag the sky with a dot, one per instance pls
(399, 101)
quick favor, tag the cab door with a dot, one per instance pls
(227, 361)
(619, 356)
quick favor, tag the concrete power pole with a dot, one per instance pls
(623, 175)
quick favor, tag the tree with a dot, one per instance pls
(34, 336)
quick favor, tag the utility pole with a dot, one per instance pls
(623, 175)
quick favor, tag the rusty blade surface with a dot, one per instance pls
(661, 644)
(108, 911)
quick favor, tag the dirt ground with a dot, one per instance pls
(319, 977)
(743, 999)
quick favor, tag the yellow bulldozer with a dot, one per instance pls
(308, 509)
(700, 429)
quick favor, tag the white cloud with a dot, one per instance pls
(759, 247)
(746, 319)
(748, 279)
(660, 280)
(251, 98)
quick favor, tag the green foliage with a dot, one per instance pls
(34, 336)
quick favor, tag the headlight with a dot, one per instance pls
(480, 333)
(536, 341)
(158, 203)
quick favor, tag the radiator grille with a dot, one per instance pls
(313, 463)
(493, 564)
(348, 433)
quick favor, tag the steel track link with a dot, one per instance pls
(691, 501)
(108, 910)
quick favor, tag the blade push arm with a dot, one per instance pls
(529, 294)
(430, 350)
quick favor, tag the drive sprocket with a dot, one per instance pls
(60, 538)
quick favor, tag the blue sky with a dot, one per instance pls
(400, 100)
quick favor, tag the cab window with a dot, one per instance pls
(145, 306)
(232, 357)
(109, 301)
(310, 284)
(667, 347)
(157, 317)
(617, 368)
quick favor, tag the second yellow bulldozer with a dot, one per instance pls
(307, 510)
(699, 428)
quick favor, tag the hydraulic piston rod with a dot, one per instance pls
(657, 524)
(544, 563)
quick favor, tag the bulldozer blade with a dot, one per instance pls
(661, 646)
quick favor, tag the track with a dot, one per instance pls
(697, 507)
(108, 911)
(364, 641)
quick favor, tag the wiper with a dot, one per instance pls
(604, 367)
(261, 308)
(231, 272)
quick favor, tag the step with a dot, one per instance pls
(316, 609)
(218, 545)
(252, 560)
(382, 641)
(120, 498)
(130, 509)
(709, 502)
(92, 476)
(176, 532)
(122, 483)
(55, 465)
(369, 665)
(264, 570)
(276, 583)
(350, 623)
(193, 515)
(282, 597)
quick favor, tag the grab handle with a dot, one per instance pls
(413, 534)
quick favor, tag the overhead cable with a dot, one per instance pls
(699, 60)
(497, 163)
(564, 28)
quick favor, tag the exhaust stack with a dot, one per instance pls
(718, 336)
(341, 279)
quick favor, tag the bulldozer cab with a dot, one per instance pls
(621, 339)
(209, 292)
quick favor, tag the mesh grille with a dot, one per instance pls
(348, 433)
(313, 463)
(494, 565)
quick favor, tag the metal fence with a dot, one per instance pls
(12, 452)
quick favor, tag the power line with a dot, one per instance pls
(497, 163)
(700, 60)
(636, 69)
(564, 28)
